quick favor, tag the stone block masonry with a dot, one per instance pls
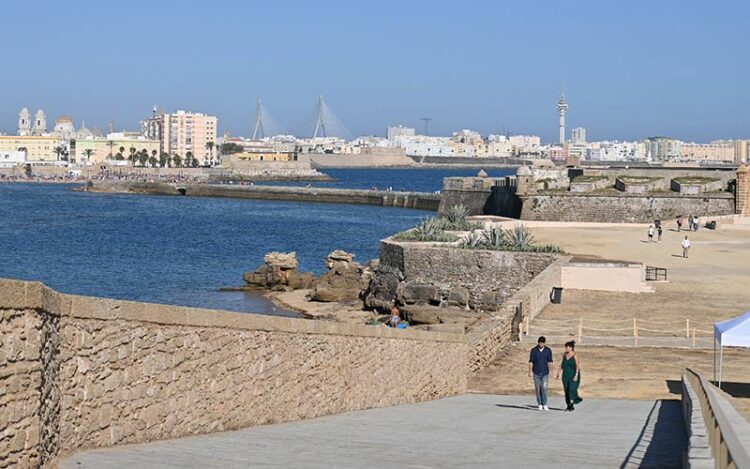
(79, 372)
(623, 208)
(491, 277)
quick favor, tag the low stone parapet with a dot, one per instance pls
(85, 372)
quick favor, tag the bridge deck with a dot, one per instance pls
(466, 431)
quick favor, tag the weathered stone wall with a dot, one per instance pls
(20, 382)
(86, 372)
(492, 335)
(623, 208)
(491, 277)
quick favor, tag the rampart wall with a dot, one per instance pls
(623, 208)
(81, 372)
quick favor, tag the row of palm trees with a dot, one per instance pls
(156, 159)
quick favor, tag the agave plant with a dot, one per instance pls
(429, 229)
(518, 238)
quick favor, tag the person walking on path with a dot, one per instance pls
(680, 221)
(696, 223)
(540, 361)
(690, 223)
(650, 233)
(685, 247)
(570, 366)
(659, 231)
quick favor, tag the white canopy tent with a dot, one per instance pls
(732, 333)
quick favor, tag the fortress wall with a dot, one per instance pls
(126, 372)
(509, 285)
(20, 381)
(622, 208)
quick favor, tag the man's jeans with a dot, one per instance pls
(540, 385)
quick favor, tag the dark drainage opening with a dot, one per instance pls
(182, 191)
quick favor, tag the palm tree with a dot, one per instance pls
(133, 157)
(210, 148)
(88, 152)
(188, 159)
(143, 157)
(59, 151)
(119, 157)
(122, 150)
(152, 161)
(163, 159)
(177, 160)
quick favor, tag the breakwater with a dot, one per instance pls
(415, 200)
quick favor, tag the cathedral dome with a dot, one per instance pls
(64, 119)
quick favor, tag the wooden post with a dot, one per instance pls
(635, 331)
(580, 329)
(687, 327)
(693, 337)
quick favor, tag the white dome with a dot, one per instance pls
(523, 171)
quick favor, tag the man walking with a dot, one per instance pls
(540, 360)
(685, 247)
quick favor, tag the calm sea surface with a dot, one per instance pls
(181, 250)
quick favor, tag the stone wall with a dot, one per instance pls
(20, 384)
(623, 208)
(491, 277)
(492, 335)
(86, 372)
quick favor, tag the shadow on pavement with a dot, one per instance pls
(527, 407)
(674, 386)
(662, 440)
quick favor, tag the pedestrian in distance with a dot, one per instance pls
(570, 367)
(680, 221)
(659, 232)
(696, 223)
(690, 223)
(650, 233)
(540, 362)
(685, 247)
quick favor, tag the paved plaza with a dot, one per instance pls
(469, 431)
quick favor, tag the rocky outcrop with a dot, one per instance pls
(279, 272)
(344, 281)
(382, 288)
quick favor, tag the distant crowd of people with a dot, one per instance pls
(655, 230)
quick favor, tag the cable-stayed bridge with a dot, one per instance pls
(323, 123)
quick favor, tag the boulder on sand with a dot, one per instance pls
(342, 283)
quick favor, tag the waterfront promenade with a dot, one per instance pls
(469, 431)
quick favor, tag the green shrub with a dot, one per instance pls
(454, 219)
(518, 239)
(430, 229)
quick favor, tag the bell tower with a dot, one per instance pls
(24, 122)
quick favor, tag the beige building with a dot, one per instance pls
(261, 156)
(37, 148)
(183, 132)
(107, 149)
(707, 152)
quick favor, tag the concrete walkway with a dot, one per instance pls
(470, 431)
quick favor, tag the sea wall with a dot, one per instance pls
(623, 208)
(416, 200)
(481, 195)
(87, 372)
(491, 277)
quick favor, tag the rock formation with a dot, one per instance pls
(279, 272)
(344, 281)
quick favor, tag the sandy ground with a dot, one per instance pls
(298, 301)
(712, 285)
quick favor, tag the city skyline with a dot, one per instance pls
(624, 78)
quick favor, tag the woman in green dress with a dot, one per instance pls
(570, 365)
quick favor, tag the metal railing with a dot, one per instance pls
(654, 274)
(728, 432)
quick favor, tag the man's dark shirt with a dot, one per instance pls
(540, 360)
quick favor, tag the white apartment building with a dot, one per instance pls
(9, 159)
(660, 149)
(183, 132)
(616, 151)
(399, 131)
(578, 135)
(525, 141)
(422, 145)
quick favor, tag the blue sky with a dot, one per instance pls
(630, 69)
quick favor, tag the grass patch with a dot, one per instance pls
(589, 178)
(694, 180)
